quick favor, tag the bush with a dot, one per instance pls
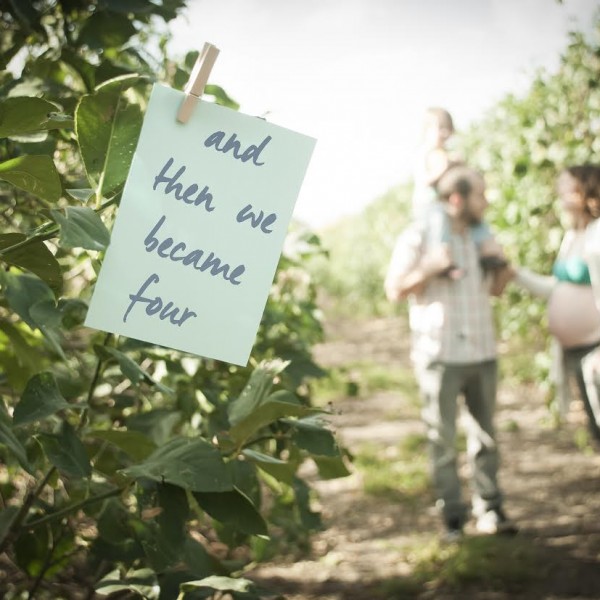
(127, 466)
(358, 251)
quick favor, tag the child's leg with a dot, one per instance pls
(438, 234)
(438, 239)
(484, 240)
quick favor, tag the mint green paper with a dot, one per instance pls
(218, 314)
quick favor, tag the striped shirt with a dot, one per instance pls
(451, 320)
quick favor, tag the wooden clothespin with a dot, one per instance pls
(197, 81)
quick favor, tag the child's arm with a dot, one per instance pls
(436, 162)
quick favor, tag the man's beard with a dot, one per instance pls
(469, 218)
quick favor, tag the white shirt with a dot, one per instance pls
(451, 320)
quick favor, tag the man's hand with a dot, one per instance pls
(436, 261)
(500, 278)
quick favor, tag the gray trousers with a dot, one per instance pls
(577, 363)
(441, 385)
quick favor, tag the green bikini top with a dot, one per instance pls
(573, 270)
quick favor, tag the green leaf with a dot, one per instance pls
(40, 399)
(191, 463)
(200, 563)
(108, 126)
(46, 314)
(27, 355)
(331, 467)
(129, 6)
(278, 405)
(220, 95)
(58, 121)
(35, 174)
(113, 526)
(223, 584)
(66, 452)
(73, 311)
(156, 424)
(310, 520)
(311, 435)
(173, 518)
(103, 30)
(81, 194)
(81, 227)
(133, 443)
(23, 292)
(141, 581)
(255, 392)
(86, 71)
(32, 299)
(31, 550)
(233, 508)
(164, 540)
(10, 440)
(130, 368)
(22, 114)
(7, 516)
(160, 555)
(35, 257)
(279, 469)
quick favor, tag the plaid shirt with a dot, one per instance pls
(451, 320)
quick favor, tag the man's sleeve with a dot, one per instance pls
(405, 257)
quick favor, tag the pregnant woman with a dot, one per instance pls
(573, 290)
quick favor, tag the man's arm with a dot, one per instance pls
(405, 256)
(498, 275)
(409, 270)
(500, 279)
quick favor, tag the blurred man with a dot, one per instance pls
(454, 347)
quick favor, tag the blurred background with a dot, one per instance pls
(357, 75)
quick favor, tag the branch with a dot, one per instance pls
(48, 234)
(72, 508)
(31, 497)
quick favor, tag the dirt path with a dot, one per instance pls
(369, 549)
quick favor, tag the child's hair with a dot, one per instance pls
(442, 116)
(587, 179)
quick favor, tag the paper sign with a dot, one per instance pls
(200, 229)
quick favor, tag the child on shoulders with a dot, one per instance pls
(428, 212)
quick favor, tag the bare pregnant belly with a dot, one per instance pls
(572, 315)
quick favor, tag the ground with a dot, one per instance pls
(377, 547)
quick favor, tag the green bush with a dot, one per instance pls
(126, 466)
(522, 144)
(358, 251)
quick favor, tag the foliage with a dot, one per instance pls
(359, 248)
(127, 466)
(521, 144)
